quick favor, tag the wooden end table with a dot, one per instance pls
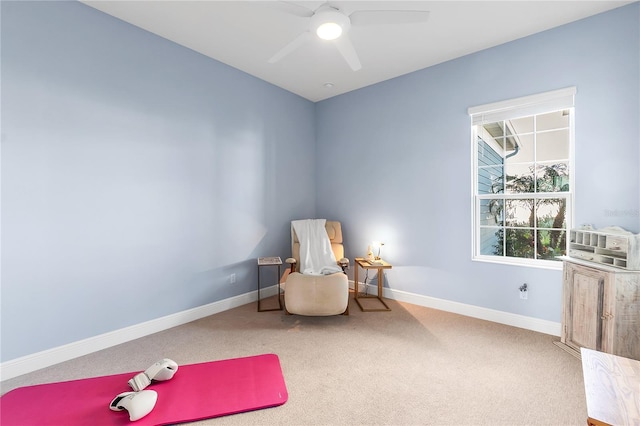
(380, 266)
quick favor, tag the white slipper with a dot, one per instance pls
(138, 404)
(161, 370)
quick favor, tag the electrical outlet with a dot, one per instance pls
(232, 279)
(524, 291)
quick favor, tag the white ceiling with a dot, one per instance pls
(245, 34)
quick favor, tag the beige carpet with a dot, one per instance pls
(410, 366)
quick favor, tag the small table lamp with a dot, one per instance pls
(378, 245)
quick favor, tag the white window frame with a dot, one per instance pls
(563, 99)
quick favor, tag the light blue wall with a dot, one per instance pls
(400, 157)
(137, 175)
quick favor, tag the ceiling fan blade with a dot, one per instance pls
(347, 50)
(383, 17)
(293, 45)
(293, 9)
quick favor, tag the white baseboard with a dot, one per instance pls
(501, 317)
(33, 362)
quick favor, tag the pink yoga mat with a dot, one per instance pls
(196, 392)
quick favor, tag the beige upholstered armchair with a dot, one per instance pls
(317, 295)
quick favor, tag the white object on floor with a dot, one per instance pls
(138, 404)
(160, 371)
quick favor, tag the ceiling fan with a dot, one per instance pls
(332, 23)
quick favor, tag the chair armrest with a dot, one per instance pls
(344, 263)
(292, 263)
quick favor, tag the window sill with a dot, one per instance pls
(529, 263)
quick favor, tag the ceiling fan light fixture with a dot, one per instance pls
(329, 31)
(329, 23)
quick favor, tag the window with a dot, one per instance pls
(523, 179)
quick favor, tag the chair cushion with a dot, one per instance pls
(313, 295)
(334, 231)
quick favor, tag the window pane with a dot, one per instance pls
(522, 125)
(490, 180)
(522, 150)
(487, 156)
(501, 142)
(491, 241)
(553, 177)
(520, 178)
(552, 145)
(552, 120)
(495, 129)
(551, 213)
(519, 212)
(491, 212)
(520, 243)
(552, 243)
(506, 144)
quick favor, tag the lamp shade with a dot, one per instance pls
(377, 245)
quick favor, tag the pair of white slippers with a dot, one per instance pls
(140, 402)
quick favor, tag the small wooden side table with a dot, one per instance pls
(270, 261)
(380, 266)
(612, 388)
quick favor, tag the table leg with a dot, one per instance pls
(378, 296)
(279, 308)
(355, 281)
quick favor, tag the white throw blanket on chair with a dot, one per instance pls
(316, 255)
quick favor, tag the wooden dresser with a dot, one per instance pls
(601, 308)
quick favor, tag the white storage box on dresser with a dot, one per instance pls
(601, 292)
(611, 246)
